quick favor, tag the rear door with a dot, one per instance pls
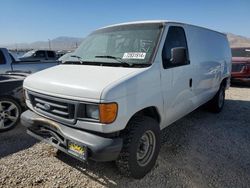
(177, 80)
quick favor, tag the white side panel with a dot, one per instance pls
(210, 54)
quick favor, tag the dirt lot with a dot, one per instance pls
(200, 150)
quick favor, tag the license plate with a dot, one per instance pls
(76, 149)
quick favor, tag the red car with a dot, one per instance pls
(240, 65)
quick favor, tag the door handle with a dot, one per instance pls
(190, 82)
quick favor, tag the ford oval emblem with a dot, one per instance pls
(47, 106)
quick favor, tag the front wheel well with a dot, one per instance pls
(151, 112)
(12, 98)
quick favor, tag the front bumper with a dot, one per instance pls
(98, 148)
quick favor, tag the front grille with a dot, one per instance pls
(237, 67)
(58, 109)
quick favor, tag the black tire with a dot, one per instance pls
(10, 122)
(129, 162)
(217, 103)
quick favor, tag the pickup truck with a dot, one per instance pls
(241, 65)
(125, 83)
(9, 63)
(35, 55)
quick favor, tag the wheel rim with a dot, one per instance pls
(9, 114)
(146, 148)
(221, 98)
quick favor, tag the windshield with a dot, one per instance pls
(28, 54)
(133, 43)
(241, 52)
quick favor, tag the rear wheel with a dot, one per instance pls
(217, 103)
(141, 147)
(9, 113)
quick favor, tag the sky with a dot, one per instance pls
(25, 21)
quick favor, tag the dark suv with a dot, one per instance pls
(11, 99)
(241, 65)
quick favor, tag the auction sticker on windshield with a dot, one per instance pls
(134, 55)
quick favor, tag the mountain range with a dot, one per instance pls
(59, 43)
(238, 41)
(71, 43)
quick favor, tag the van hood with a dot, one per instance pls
(77, 81)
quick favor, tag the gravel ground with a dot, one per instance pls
(200, 150)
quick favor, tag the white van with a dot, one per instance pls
(122, 86)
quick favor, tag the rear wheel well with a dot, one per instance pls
(224, 82)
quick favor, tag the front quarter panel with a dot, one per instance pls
(134, 94)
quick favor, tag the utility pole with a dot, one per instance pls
(16, 47)
(49, 44)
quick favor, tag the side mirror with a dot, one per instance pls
(178, 56)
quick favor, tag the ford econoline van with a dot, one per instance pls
(112, 97)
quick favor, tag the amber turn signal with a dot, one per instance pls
(108, 112)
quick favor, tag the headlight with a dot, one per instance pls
(92, 111)
(104, 113)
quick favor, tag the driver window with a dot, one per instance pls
(175, 38)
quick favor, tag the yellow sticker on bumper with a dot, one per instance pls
(76, 148)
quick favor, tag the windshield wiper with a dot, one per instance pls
(118, 59)
(78, 57)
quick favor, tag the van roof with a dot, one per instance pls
(158, 21)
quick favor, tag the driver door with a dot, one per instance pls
(177, 79)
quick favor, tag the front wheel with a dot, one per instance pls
(141, 147)
(9, 114)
